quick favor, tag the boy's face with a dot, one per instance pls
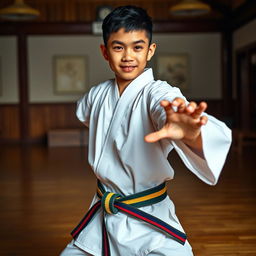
(127, 54)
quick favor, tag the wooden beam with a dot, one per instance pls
(227, 76)
(243, 14)
(222, 8)
(23, 87)
(86, 28)
(45, 28)
(184, 26)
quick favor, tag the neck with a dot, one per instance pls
(122, 86)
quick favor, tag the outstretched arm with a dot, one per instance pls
(183, 124)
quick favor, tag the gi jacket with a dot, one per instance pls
(126, 164)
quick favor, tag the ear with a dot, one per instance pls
(151, 51)
(104, 51)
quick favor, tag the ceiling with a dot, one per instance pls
(231, 4)
(85, 10)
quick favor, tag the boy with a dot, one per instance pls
(134, 122)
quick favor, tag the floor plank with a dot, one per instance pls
(45, 192)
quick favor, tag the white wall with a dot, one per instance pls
(8, 70)
(203, 49)
(204, 52)
(42, 49)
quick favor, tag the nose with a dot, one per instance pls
(127, 55)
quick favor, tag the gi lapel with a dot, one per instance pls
(125, 100)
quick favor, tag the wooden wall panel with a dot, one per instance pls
(44, 117)
(9, 122)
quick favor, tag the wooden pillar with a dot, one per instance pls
(227, 73)
(23, 87)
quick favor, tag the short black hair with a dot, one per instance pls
(129, 17)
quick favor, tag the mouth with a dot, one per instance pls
(128, 68)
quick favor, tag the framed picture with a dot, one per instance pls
(174, 68)
(70, 74)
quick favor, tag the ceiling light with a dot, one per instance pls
(190, 8)
(19, 11)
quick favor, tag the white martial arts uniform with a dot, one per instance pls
(126, 164)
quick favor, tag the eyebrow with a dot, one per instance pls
(122, 43)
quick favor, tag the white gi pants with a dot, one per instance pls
(180, 250)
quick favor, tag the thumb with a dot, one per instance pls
(155, 136)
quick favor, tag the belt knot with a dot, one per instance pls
(108, 202)
(113, 203)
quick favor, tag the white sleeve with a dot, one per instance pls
(83, 109)
(216, 137)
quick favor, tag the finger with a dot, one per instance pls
(203, 120)
(177, 101)
(167, 105)
(180, 104)
(155, 136)
(199, 110)
(191, 107)
(203, 105)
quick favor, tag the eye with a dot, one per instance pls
(138, 47)
(117, 48)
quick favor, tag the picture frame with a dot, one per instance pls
(174, 69)
(70, 74)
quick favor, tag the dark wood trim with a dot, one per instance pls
(52, 104)
(19, 142)
(9, 141)
(227, 72)
(187, 26)
(37, 28)
(246, 48)
(38, 104)
(243, 14)
(9, 104)
(48, 28)
(8, 29)
(23, 87)
(222, 8)
(57, 28)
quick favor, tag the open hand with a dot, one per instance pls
(183, 124)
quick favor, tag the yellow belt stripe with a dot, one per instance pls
(107, 202)
(144, 198)
(140, 199)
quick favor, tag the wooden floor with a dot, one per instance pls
(45, 192)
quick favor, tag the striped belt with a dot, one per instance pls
(112, 203)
